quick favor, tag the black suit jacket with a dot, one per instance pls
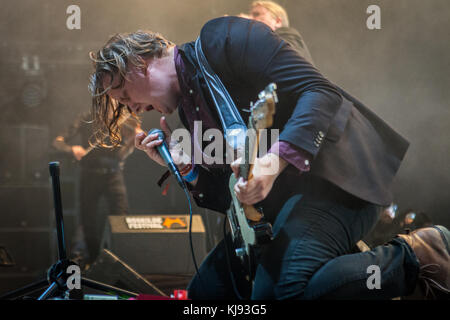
(352, 147)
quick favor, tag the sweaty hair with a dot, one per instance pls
(275, 9)
(111, 62)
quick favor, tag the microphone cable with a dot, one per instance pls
(190, 228)
(186, 192)
(164, 152)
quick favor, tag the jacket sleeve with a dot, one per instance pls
(216, 198)
(250, 53)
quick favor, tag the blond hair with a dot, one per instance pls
(275, 9)
(112, 61)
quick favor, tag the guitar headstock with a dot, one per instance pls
(262, 111)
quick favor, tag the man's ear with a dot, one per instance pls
(145, 67)
(278, 23)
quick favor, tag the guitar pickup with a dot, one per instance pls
(263, 232)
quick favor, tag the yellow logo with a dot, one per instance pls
(177, 223)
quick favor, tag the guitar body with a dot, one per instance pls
(248, 228)
(245, 233)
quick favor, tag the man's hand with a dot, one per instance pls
(149, 143)
(78, 152)
(265, 171)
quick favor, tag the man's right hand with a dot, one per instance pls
(149, 143)
(78, 152)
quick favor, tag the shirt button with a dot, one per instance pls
(191, 91)
(197, 109)
(200, 195)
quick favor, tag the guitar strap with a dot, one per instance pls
(233, 126)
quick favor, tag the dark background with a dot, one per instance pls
(401, 72)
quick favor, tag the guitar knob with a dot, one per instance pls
(240, 252)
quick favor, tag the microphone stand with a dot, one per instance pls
(57, 276)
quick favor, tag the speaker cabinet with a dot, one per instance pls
(25, 206)
(25, 152)
(32, 251)
(156, 244)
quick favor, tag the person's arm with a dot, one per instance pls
(293, 37)
(210, 189)
(129, 131)
(61, 141)
(293, 155)
(307, 101)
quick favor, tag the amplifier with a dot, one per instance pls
(32, 251)
(156, 244)
(24, 154)
(25, 206)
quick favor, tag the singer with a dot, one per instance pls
(337, 163)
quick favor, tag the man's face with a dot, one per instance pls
(261, 14)
(148, 88)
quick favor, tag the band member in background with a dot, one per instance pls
(386, 227)
(412, 219)
(337, 161)
(276, 17)
(101, 176)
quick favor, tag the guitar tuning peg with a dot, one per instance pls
(271, 86)
(261, 95)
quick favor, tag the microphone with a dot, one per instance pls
(163, 150)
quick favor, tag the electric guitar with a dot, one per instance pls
(247, 224)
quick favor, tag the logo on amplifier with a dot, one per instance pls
(175, 223)
(157, 222)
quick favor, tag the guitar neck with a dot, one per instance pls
(250, 152)
(261, 118)
(247, 168)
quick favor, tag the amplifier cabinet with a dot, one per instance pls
(156, 244)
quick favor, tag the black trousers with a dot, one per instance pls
(93, 187)
(310, 255)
